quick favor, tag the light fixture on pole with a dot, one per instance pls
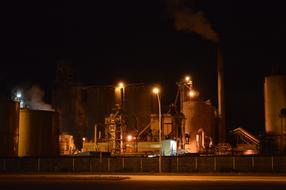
(121, 88)
(156, 91)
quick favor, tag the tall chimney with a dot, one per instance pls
(221, 106)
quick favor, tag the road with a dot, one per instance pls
(140, 182)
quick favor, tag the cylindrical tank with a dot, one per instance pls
(66, 144)
(199, 116)
(38, 133)
(9, 128)
(274, 101)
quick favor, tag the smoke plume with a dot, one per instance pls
(34, 99)
(189, 20)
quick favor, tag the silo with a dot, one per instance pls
(139, 104)
(200, 116)
(9, 128)
(38, 133)
(274, 101)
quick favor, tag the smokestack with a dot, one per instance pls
(189, 20)
(221, 106)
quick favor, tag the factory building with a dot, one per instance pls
(125, 120)
(113, 113)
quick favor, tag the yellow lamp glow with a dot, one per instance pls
(156, 90)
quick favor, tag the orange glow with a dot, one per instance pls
(129, 137)
(187, 78)
(121, 85)
(156, 90)
(192, 93)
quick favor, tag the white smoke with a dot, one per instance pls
(34, 99)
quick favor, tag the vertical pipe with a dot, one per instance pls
(203, 138)
(160, 133)
(123, 163)
(221, 106)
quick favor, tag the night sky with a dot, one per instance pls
(136, 41)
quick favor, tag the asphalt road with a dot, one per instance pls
(140, 182)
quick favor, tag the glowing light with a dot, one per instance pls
(120, 85)
(129, 137)
(83, 139)
(19, 95)
(156, 90)
(192, 93)
(187, 78)
(249, 152)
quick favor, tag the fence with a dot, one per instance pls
(138, 164)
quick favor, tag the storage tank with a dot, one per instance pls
(9, 128)
(200, 116)
(274, 102)
(38, 133)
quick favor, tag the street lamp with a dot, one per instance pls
(156, 91)
(121, 88)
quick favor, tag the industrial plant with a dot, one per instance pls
(129, 120)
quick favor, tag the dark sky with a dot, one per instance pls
(136, 41)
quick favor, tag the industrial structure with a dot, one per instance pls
(275, 103)
(127, 120)
(9, 128)
(26, 132)
(190, 124)
(66, 144)
(38, 133)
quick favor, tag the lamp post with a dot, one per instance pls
(121, 87)
(157, 92)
